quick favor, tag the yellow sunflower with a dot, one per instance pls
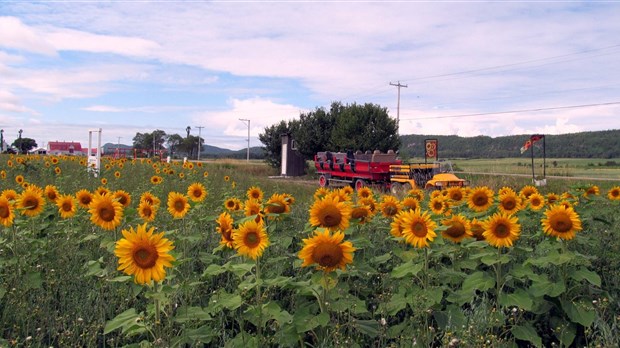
(178, 205)
(10, 195)
(147, 211)
(417, 194)
(232, 204)
(276, 205)
(205, 174)
(320, 193)
(396, 226)
(410, 203)
(6, 212)
(3, 174)
(527, 190)
(436, 193)
(51, 192)
(225, 228)
(105, 211)
(66, 206)
(561, 222)
(226, 178)
(84, 197)
(30, 201)
(117, 174)
(328, 251)
(104, 181)
(455, 194)
(361, 214)
(197, 192)
(250, 239)
(536, 201)
(253, 207)
(331, 213)
(477, 228)
(458, 228)
(255, 193)
(417, 228)
(123, 197)
(480, 199)
(19, 179)
(552, 198)
(501, 230)
(505, 190)
(509, 202)
(437, 205)
(150, 198)
(389, 206)
(289, 199)
(144, 254)
(614, 193)
(102, 191)
(57, 170)
(370, 203)
(156, 180)
(364, 192)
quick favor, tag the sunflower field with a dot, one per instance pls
(216, 254)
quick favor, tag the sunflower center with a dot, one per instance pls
(31, 203)
(456, 230)
(197, 193)
(359, 213)
(456, 196)
(561, 223)
(535, 202)
(146, 211)
(4, 211)
(501, 231)
(85, 200)
(67, 206)
(145, 256)
(106, 214)
(330, 216)
(251, 239)
(122, 200)
(327, 254)
(509, 204)
(277, 208)
(179, 205)
(438, 205)
(419, 229)
(480, 200)
(227, 233)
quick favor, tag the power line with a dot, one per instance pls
(514, 111)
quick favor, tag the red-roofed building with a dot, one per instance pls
(65, 148)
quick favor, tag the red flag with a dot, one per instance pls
(534, 138)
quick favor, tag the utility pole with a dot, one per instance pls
(21, 145)
(398, 105)
(244, 120)
(199, 147)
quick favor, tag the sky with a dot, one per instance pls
(466, 68)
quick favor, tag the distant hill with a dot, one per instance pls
(599, 144)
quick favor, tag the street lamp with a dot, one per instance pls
(244, 120)
(21, 146)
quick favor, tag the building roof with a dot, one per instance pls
(64, 146)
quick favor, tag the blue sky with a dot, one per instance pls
(135, 66)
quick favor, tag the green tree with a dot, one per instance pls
(317, 127)
(272, 140)
(24, 145)
(149, 141)
(173, 141)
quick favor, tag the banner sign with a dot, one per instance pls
(430, 147)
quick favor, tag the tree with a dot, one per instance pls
(317, 126)
(24, 145)
(272, 140)
(364, 127)
(149, 141)
(173, 141)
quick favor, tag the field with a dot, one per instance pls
(218, 254)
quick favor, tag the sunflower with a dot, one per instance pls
(418, 228)
(9, 194)
(117, 174)
(147, 211)
(181, 175)
(459, 228)
(144, 254)
(505, 190)
(435, 194)
(105, 211)
(225, 228)
(370, 203)
(123, 197)
(156, 180)
(66, 206)
(537, 201)
(205, 174)
(348, 190)
(389, 206)
(51, 192)
(102, 191)
(3, 174)
(253, 207)
(417, 194)
(250, 239)
(477, 228)
(150, 199)
(226, 178)
(232, 204)
(361, 214)
(289, 199)
(342, 195)
(320, 193)
(614, 193)
(19, 179)
(592, 191)
(501, 230)
(327, 251)
(331, 213)
(527, 190)
(364, 192)
(197, 192)
(178, 205)
(561, 222)
(84, 197)
(509, 202)
(480, 199)
(6, 212)
(30, 201)
(276, 205)
(396, 226)
(552, 198)
(455, 194)
(255, 193)
(437, 205)
(410, 203)
(104, 181)
(57, 170)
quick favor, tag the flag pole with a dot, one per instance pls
(544, 158)
(532, 152)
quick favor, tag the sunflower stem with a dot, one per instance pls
(498, 276)
(157, 309)
(258, 303)
(425, 268)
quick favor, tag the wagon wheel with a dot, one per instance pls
(406, 187)
(396, 188)
(323, 182)
(359, 183)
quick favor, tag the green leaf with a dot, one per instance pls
(273, 311)
(526, 333)
(543, 287)
(213, 270)
(278, 281)
(478, 281)
(520, 298)
(119, 279)
(367, 327)
(583, 273)
(381, 258)
(452, 317)
(407, 268)
(2, 292)
(125, 320)
(349, 303)
(579, 312)
(564, 330)
(241, 269)
(553, 258)
(33, 280)
(397, 302)
(189, 313)
(310, 322)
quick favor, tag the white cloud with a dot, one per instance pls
(14, 34)
(74, 40)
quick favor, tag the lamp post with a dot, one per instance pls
(244, 120)
(1, 140)
(21, 146)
